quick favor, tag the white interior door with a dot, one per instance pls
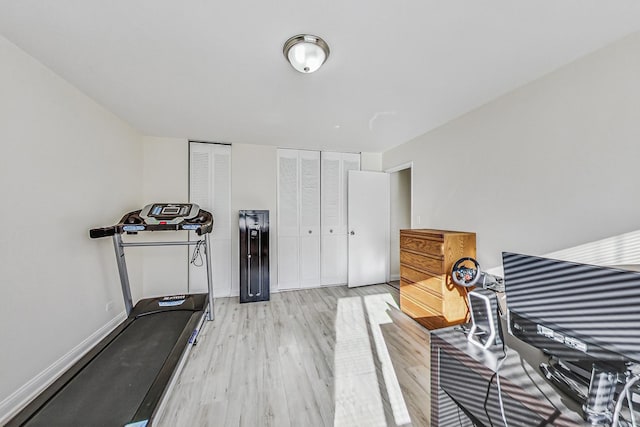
(368, 213)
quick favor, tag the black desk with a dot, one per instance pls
(464, 372)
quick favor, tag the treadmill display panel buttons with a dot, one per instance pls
(190, 226)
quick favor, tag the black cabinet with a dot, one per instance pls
(254, 255)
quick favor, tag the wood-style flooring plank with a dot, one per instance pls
(331, 356)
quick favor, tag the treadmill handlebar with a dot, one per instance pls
(96, 233)
(132, 223)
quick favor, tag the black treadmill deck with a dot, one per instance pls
(124, 379)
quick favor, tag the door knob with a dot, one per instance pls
(353, 233)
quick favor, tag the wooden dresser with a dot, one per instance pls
(427, 293)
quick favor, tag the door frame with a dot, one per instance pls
(398, 168)
(395, 169)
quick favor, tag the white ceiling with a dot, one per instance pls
(212, 70)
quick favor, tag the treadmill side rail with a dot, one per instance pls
(122, 271)
(207, 259)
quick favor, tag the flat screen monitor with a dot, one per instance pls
(573, 311)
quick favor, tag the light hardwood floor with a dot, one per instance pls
(331, 356)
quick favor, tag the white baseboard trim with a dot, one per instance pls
(15, 402)
(329, 285)
(394, 277)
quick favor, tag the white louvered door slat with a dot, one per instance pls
(210, 188)
(288, 223)
(222, 192)
(331, 211)
(309, 218)
(330, 199)
(350, 162)
(334, 248)
(221, 238)
(312, 217)
(288, 193)
(199, 181)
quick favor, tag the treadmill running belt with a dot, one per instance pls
(109, 390)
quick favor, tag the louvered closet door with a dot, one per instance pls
(298, 219)
(288, 220)
(309, 218)
(334, 247)
(210, 188)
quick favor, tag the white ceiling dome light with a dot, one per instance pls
(306, 53)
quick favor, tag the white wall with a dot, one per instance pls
(253, 186)
(549, 166)
(165, 179)
(371, 162)
(66, 165)
(166, 176)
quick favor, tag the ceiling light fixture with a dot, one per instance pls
(306, 53)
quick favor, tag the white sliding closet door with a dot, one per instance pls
(298, 219)
(210, 188)
(334, 247)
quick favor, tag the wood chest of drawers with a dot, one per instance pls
(427, 293)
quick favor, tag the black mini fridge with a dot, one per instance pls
(254, 255)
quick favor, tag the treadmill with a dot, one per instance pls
(123, 379)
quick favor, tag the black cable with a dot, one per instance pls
(504, 417)
(466, 302)
(486, 399)
(499, 363)
(197, 259)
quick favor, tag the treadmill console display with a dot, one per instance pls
(161, 217)
(167, 210)
(169, 213)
